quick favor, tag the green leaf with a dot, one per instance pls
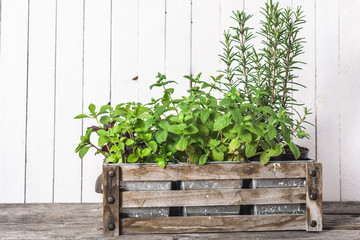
(203, 159)
(83, 152)
(140, 125)
(129, 142)
(177, 129)
(104, 109)
(102, 140)
(111, 159)
(161, 136)
(214, 143)
(146, 152)
(153, 145)
(164, 125)
(295, 150)
(132, 158)
(250, 149)
(271, 131)
(234, 144)
(101, 132)
(181, 144)
(92, 108)
(221, 123)
(105, 120)
(276, 151)
(246, 137)
(268, 110)
(81, 116)
(204, 115)
(217, 155)
(221, 148)
(191, 129)
(80, 146)
(161, 162)
(286, 133)
(264, 158)
(203, 131)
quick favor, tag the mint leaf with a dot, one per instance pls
(83, 152)
(190, 130)
(204, 115)
(295, 150)
(221, 123)
(202, 159)
(161, 136)
(234, 144)
(181, 144)
(264, 158)
(81, 116)
(271, 131)
(250, 149)
(132, 158)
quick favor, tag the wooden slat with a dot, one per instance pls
(213, 224)
(212, 197)
(211, 171)
(13, 81)
(314, 197)
(68, 73)
(111, 200)
(327, 96)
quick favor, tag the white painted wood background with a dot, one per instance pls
(57, 56)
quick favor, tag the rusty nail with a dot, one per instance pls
(313, 223)
(313, 196)
(313, 173)
(111, 226)
(112, 174)
(111, 200)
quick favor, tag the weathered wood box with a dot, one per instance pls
(115, 199)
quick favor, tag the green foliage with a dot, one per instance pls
(254, 117)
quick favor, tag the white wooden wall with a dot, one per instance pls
(57, 56)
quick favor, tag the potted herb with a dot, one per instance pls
(252, 120)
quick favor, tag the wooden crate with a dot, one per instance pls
(114, 199)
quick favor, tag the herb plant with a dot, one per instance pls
(254, 116)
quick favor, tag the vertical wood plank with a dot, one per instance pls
(96, 81)
(177, 45)
(151, 47)
(111, 200)
(67, 180)
(41, 84)
(124, 64)
(349, 87)
(206, 39)
(314, 197)
(327, 96)
(307, 74)
(13, 81)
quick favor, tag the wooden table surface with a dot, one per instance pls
(84, 221)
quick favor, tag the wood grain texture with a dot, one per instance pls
(213, 224)
(327, 96)
(13, 94)
(68, 100)
(84, 221)
(177, 44)
(212, 197)
(124, 51)
(205, 39)
(111, 200)
(41, 97)
(175, 172)
(349, 87)
(96, 83)
(151, 47)
(314, 214)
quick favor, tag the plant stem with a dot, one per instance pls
(98, 149)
